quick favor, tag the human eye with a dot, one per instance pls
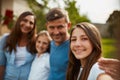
(25, 20)
(38, 41)
(51, 27)
(45, 43)
(60, 27)
(85, 38)
(73, 39)
(31, 23)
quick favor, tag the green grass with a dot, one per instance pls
(108, 46)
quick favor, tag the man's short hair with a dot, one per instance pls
(57, 13)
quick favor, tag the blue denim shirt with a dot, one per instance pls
(12, 71)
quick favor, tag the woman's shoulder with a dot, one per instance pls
(104, 76)
(94, 72)
(4, 36)
(95, 68)
(3, 39)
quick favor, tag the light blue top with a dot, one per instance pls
(40, 67)
(58, 61)
(94, 72)
(12, 71)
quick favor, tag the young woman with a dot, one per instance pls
(17, 49)
(85, 50)
(40, 66)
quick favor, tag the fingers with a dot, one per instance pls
(113, 73)
(110, 66)
(108, 60)
(110, 63)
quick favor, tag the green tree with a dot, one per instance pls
(114, 23)
(74, 14)
(40, 11)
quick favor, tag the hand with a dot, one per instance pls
(111, 67)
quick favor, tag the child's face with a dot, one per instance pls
(80, 44)
(42, 44)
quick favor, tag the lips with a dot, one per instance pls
(26, 29)
(56, 36)
(79, 51)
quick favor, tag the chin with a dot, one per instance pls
(79, 57)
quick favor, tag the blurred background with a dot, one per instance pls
(104, 14)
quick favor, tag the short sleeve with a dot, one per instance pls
(94, 72)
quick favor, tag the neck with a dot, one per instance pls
(23, 41)
(83, 62)
(67, 38)
(38, 55)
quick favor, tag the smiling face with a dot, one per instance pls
(80, 44)
(27, 24)
(42, 44)
(58, 30)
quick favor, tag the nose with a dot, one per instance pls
(40, 44)
(78, 43)
(27, 24)
(56, 31)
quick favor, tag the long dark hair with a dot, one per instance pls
(15, 35)
(75, 64)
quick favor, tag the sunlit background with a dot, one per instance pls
(99, 12)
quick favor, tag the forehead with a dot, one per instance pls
(56, 22)
(29, 16)
(78, 32)
(42, 37)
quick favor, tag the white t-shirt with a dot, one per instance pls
(20, 55)
(94, 72)
(40, 68)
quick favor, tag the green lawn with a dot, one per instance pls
(108, 46)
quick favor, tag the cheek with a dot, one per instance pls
(71, 46)
(36, 46)
(49, 31)
(21, 22)
(21, 25)
(32, 27)
(90, 48)
(63, 31)
(46, 47)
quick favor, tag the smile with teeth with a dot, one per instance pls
(78, 51)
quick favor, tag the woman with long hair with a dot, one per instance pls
(85, 50)
(17, 49)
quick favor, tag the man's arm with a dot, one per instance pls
(111, 67)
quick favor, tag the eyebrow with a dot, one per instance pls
(80, 36)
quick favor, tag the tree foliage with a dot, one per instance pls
(40, 11)
(114, 23)
(74, 14)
